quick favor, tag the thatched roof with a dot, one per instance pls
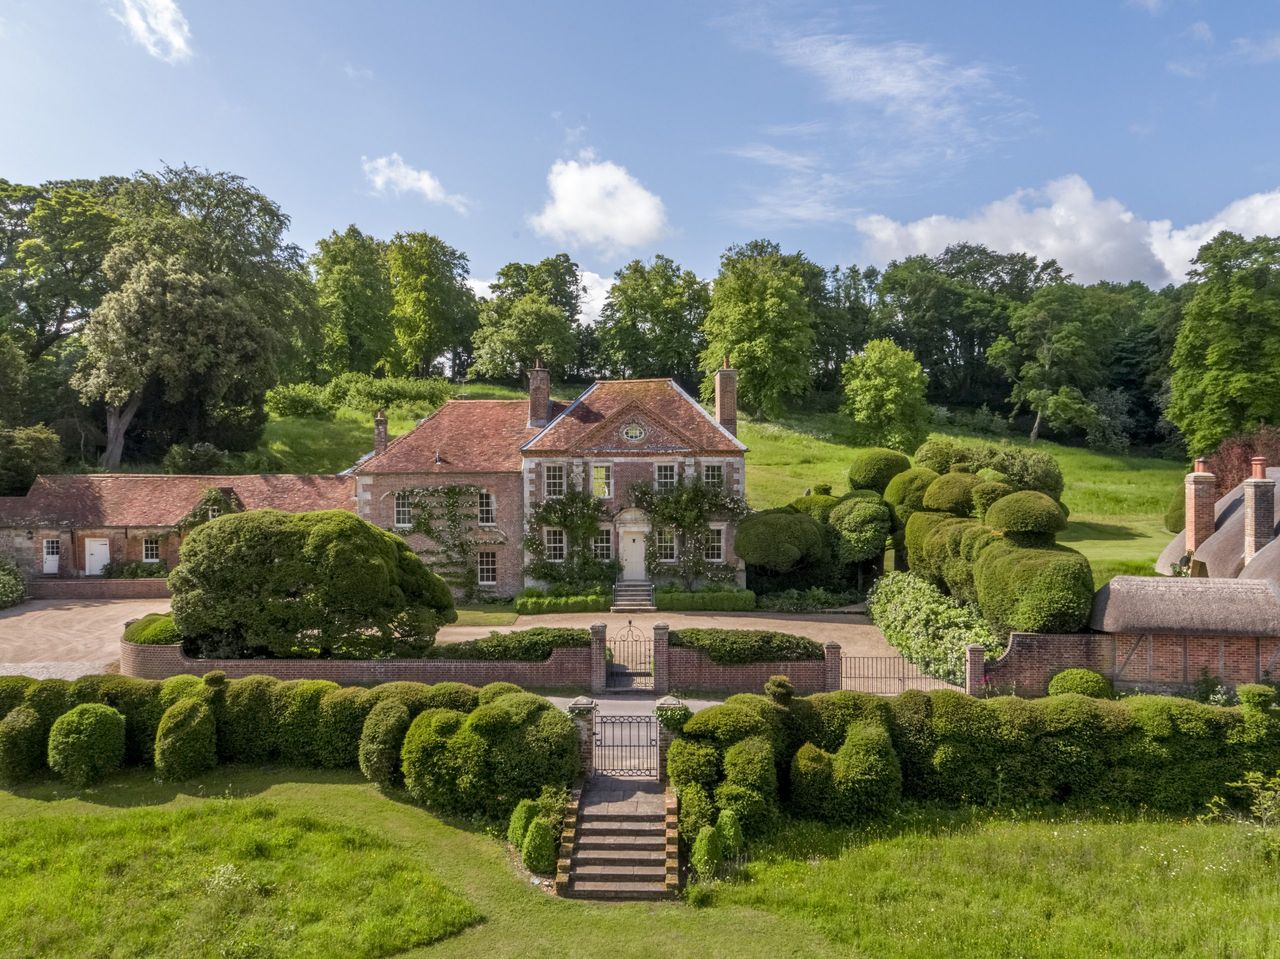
(1194, 606)
(1223, 552)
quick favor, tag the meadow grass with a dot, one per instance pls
(134, 867)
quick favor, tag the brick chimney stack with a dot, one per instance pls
(1202, 495)
(539, 394)
(727, 397)
(379, 431)
(1259, 508)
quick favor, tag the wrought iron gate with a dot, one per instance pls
(630, 658)
(626, 746)
(884, 675)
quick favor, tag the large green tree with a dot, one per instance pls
(1054, 355)
(353, 289)
(884, 395)
(651, 323)
(513, 334)
(207, 305)
(1228, 348)
(761, 320)
(434, 310)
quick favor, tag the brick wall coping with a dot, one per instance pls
(149, 588)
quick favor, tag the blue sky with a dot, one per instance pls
(1113, 134)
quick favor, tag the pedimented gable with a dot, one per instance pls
(632, 429)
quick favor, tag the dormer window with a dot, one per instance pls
(633, 432)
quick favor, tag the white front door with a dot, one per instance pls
(52, 553)
(97, 553)
(632, 554)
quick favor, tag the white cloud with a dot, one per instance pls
(1093, 238)
(1201, 32)
(392, 174)
(599, 204)
(158, 25)
(1151, 6)
(1258, 49)
(357, 74)
(769, 155)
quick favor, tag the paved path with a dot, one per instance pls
(47, 638)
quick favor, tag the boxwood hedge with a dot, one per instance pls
(873, 467)
(521, 645)
(735, 646)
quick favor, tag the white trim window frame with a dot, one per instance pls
(151, 549)
(664, 541)
(664, 476)
(553, 480)
(602, 480)
(602, 544)
(402, 510)
(553, 539)
(713, 475)
(487, 568)
(714, 550)
(487, 509)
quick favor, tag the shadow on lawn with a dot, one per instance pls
(1076, 532)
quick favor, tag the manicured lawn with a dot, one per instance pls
(136, 868)
(487, 615)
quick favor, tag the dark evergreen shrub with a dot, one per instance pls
(246, 731)
(187, 741)
(381, 741)
(1030, 590)
(1175, 516)
(138, 700)
(696, 811)
(50, 698)
(86, 743)
(179, 687)
(755, 811)
(779, 540)
(952, 493)
(730, 829)
(921, 524)
(13, 690)
(865, 774)
(1028, 517)
(538, 851)
(492, 691)
(690, 761)
(23, 738)
(342, 715)
(817, 505)
(460, 696)
(862, 528)
(415, 696)
(734, 646)
(533, 645)
(1019, 467)
(1083, 681)
(725, 724)
(524, 813)
(905, 493)
(296, 715)
(812, 783)
(873, 467)
(911, 729)
(750, 763)
(986, 494)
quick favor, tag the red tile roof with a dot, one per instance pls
(470, 436)
(139, 499)
(675, 421)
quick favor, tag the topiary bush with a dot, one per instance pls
(725, 724)
(735, 646)
(750, 763)
(13, 690)
(690, 761)
(952, 493)
(381, 740)
(732, 841)
(756, 811)
(86, 743)
(538, 850)
(817, 505)
(342, 716)
(1021, 589)
(23, 738)
(905, 493)
(872, 468)
(246, 729)
(1084, 682)
(491, 691)
(50, 698)
(13, 586)
(452, 695)
(866, 777)
(707, 854)
(153, 629)
(696, 811)
(812, 782)
(524, 813)
(186, 742)
(1021, 468)
(1028, 518)
(1175, 516)
(522, 645)
(987, 493)
(779, 540)
(295, 714)
(919, 528)
(862, 529)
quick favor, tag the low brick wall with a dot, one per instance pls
(1156, 662)
(97, 589)
(565, 667)
(692, 669)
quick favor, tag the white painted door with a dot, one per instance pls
(52, 553)
(632, 555)
(97, 553)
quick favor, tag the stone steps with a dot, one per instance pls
(633, 597)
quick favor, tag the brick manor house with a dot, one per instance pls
(512, 455)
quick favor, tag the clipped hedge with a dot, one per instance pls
(862, 528)
(873, 468)
(1027, 517)
(1033, 590)
(522, 645)
(518, 825)
(905, 493)
(153, 629)
(718, 600)
(86, 743)
(23, 753)
(538, 850)
(952, 493)
(737, 646)
(13, 690)
(243, 735)
(381, 740)
(538, 605)
(1084, 682)
(1175, 515)
(706, 856)
(986, 493)
(817, 505)
(930, 629)
(187, 741)
(779, 540)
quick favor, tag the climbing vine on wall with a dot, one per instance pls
(219, 500)
(579, 514)
(449, 516)
(688, 510)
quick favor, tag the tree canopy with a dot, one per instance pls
(884, 395)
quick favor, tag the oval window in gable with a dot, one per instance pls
(633, 432)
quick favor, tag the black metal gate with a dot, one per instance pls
(885, 675)
(626, 746)
(630, 658)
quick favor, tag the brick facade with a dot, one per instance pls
(1152, 662)
(94, 587)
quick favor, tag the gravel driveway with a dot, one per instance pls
(47, 638)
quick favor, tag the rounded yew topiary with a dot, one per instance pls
(865, 774)
(491, 691)
(22, 745)
(730, 830)
(525, 812)
(779, 540)
(1175, 515)
(153, 629)
(1085, 682)
(13, 690)
(451, 695)
(296, 713)
(725, 724)
(381, 740)
(750, 763)
(905, 493)
(690, 761)
(872, 468)
(538, 850)
(86, 743)
(707, 854)
(696, 811)
(812, 778)
(986, 493)
(187, 741)
(952, 493)
(862, 528)
(1033, 590)
(1027, 515)
(817, 505)
(342, 715)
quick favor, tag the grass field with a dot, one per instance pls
(1117, 502)
(489, 614)
(259, 863)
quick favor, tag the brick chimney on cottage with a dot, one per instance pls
(539, 395)
(1201, 499)
(379, 431)
(1259, 508)
(727, 397)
